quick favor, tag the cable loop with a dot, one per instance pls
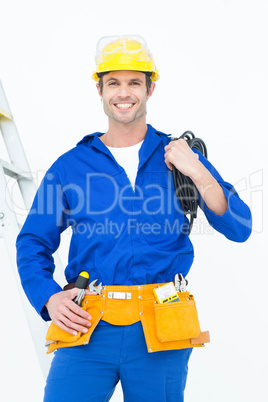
(185, 189)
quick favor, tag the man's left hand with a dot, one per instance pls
(179, 154)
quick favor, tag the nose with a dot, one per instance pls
(123, 91)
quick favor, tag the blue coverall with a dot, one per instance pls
(120, 237)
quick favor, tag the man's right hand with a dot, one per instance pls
(65, 313)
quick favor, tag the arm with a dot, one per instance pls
(225, 211)
(38, 239)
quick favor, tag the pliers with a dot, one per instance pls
(180, 283)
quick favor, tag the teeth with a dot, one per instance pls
(124, 105)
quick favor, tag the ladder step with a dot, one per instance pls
(5, 114)
(12, 171)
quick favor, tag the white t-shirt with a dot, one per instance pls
(128, 158)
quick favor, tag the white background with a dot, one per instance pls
(212, 57)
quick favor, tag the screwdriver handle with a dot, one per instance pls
(81, 283)
(82, 280)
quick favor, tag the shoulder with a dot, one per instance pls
(75, 154)
(164, 137)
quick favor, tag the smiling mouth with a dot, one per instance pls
(124, 106)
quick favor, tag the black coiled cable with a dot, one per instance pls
(185, 188)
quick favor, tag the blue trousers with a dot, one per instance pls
(90, 372)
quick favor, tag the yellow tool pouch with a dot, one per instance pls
(172, 325)
(57, 338)
(165, 326)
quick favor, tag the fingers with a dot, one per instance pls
(78, 311)
(180, 155)
(67, 314)
(87, 292)
(167, 162)
(170, 156)
(74, 292)
(72, 318)
(70, 327)
(180, 142)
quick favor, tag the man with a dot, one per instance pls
(116, 192)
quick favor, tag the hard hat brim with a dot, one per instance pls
(154, 77)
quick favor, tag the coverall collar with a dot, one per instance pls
(150, 143)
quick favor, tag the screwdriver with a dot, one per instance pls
(81, 283)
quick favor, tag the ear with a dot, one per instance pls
(151, 90)
(98, 89)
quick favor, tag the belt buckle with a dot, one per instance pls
(119, 295)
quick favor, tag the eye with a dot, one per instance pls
(112, 83)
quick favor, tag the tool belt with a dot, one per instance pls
(165, 326)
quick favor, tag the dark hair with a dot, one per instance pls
(147, 77)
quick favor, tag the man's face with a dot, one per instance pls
(124, 96)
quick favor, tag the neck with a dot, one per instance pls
(124, 135)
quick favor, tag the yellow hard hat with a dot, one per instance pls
(127, 52)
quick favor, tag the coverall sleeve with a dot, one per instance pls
(236, 223)
(38, 239)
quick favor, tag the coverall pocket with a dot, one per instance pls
(164, 203)
(176, 321)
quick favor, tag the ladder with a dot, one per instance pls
(18, 169)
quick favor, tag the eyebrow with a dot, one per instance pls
(132, 80)
(137, 79)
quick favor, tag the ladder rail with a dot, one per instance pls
(10, 229)
(13, 172)
(15, 151)
(18, 169)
